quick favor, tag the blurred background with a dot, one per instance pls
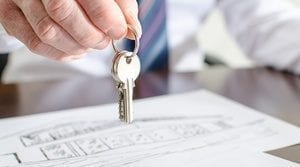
(216, 41)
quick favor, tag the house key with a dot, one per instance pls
(125, 69)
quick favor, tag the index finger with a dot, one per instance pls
(130, 11)
(107, 16)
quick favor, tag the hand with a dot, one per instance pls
(66, 29)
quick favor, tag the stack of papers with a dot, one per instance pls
(191, 129)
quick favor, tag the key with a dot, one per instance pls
(126, 68)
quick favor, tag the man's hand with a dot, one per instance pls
(65, 29)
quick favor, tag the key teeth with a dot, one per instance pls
(121, 103)
(122, 112)
(121, 117)
(127, 121)
(125, 81)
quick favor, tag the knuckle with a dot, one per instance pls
(90, 41)
(45, 29)
(100, 13)
(6, 10)
(34, 44)
(77, 52)
(27, 4)
(3, 15)
(59, 10)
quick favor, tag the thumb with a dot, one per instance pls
(130, 11)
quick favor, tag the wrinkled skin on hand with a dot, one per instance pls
(65, 29)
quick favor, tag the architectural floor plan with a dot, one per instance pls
(163, 127)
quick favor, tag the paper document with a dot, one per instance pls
(198, 123)
(229, 158)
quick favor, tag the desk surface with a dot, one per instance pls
(271, 92)
(274, 93)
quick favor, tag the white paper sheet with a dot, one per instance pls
(229, 157)
(164, 127)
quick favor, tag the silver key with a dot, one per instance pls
(126, 68)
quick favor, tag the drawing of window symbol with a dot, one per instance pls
(91, 146)
(139, 138)
(223, 125)
(36, 138)
(189, 130)
(57, 151)
(193, 130)
(63, 132)
(116, 141)
(163, 135)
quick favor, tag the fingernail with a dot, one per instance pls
(134, 21)
(139, 31)
(117, 32)
(139, 28)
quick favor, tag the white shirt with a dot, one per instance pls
(266, 30)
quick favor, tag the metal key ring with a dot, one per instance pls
(137, 42)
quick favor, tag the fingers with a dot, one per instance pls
(69, 15)
(23, 31)
(46, 29)
(61, 28)
(130, 11)
(107, 16)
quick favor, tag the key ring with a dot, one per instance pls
(137, 42)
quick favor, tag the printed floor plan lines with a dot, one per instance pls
(91, 137)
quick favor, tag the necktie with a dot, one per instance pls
(153, 51)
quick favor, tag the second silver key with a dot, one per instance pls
(126, 68)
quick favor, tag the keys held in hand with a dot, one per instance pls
(125, 70)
